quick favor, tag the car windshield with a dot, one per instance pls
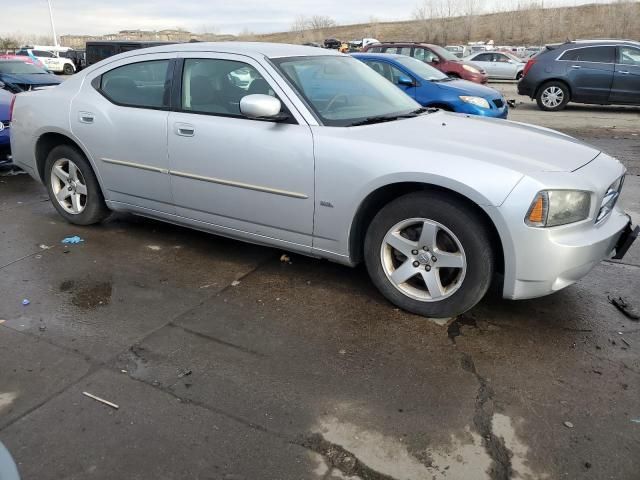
(18, 68)
(343, 91)
(421, 69)
(443, 53)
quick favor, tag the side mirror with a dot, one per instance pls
(435, 60)
(260, 106)
(406, 81)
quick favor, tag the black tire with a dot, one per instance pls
(566, 96)
(454, 75)
(95, 209)
(461, 220)
(68, 69)
(519, 76)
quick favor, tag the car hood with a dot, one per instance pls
(463, 87)
(31, 78)
(524, 148)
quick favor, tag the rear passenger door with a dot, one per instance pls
(485, 61)
(121, 116)
(626, 78)
(590, 72)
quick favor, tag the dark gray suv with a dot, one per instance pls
(600, 72)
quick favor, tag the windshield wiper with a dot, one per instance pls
(391, 118)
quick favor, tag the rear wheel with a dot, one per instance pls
(73, 187)
(67, 69)
(553, 96)
(430, 254)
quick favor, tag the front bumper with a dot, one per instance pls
(540, 261)
(493, 112)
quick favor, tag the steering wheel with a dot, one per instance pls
(333, 100)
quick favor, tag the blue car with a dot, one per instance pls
(19, 76)
(5, 103)
(432, 88)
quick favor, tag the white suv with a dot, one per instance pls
(50, 60)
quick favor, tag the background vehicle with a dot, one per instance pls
(78, 57)
(53, 62)
(500, 65)
(432, 88)
(435, 56)
(321, 155)
(96, 51)
(19, 76)
(595, 72)
(5, 106)
(459, 51)
(332, 43)
(23, 58)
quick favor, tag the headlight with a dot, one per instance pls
(610, 198)
(551, 208)
(471, 69)
(477, 101)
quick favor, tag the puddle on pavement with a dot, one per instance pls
(88, 295)
(6, 399)
(388, 458)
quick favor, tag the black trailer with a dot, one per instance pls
(99, 50)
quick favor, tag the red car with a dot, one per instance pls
(436, 56)
(25, 59)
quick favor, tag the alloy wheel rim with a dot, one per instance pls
(552, 97)
(69, 186)
(423, 259)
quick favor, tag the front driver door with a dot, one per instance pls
(626, 78)
(244, 178)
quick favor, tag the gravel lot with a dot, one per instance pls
(227, 363)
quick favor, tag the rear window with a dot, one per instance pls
(590, 54)
(142, 84)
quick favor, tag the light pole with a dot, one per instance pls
(53, 27)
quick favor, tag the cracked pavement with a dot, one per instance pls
(229, 364)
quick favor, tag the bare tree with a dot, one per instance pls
(300, 26)
(321, 22)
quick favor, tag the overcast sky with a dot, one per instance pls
(231, 16)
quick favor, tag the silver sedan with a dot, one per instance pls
(314, 152)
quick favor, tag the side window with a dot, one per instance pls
(393, 50)
(629, 56)
(419, 53)
(591, 54)
(429, 56)
(375, 49)
(396, 73)
(381, 68)
(22, 53)
(142, 84)
(216, 86)
(501, 58)
(483, 57)
(405, 51)
(43, 53)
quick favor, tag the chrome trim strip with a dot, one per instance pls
(231, 183)
(135, 165)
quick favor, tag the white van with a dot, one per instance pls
(50, 60)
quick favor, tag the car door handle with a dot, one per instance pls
(86, 117)
(184, 129)
(624, 72)
(577, 67)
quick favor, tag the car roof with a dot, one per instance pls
(269, 50)
(593, 43)
(390, 56)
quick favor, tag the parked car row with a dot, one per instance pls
(316, 152)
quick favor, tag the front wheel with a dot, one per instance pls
(68, 69)
(430, 254)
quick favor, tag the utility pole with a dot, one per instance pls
(53, 27)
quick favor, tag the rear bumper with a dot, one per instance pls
(526, 88)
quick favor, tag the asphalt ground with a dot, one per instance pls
(227, 363)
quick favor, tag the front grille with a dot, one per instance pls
(498, 102)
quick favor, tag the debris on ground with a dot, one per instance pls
(342, 351)
(2, 321)
(625, 342)
(12, 173)
(184, 373)
(624, 306)
(155, 248)
(42, 328)
(635, 420)
(512, 103)
(45, 247)
(25, 301)
(72, 240)
(284, 258)
(235, 283)
(568, 424)
(101, 400)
